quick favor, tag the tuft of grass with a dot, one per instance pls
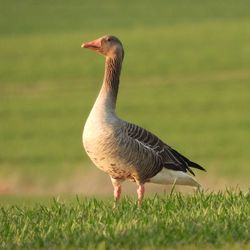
(171, 221)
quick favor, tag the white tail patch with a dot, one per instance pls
(168, 176)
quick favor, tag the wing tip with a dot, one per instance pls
(195, 165)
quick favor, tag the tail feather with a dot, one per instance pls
(168, 176)
(195, 165)
(188, 162)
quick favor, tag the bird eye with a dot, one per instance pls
(108, 39)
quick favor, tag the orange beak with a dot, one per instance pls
(95, 45)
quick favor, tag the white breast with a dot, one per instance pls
(99, 140)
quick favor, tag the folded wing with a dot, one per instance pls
(169, 158)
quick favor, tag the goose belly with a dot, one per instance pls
(108, 161)
(103, 150)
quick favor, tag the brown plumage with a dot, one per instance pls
(124, 150)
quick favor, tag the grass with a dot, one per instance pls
(186, 63)
(170, 221)
(185, 77)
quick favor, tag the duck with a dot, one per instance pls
(121, 149)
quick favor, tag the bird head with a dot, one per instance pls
(109, 46)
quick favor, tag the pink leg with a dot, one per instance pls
(140, 193)
(117, 190)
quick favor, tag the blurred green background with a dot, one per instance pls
(186, 77)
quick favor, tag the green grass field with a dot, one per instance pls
(174, 221)
(186, 64)
(186, 77)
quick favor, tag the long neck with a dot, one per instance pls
(112, 76)
(108, 94)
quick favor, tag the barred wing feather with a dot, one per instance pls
(169, 158)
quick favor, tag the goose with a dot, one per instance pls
(124, 150)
